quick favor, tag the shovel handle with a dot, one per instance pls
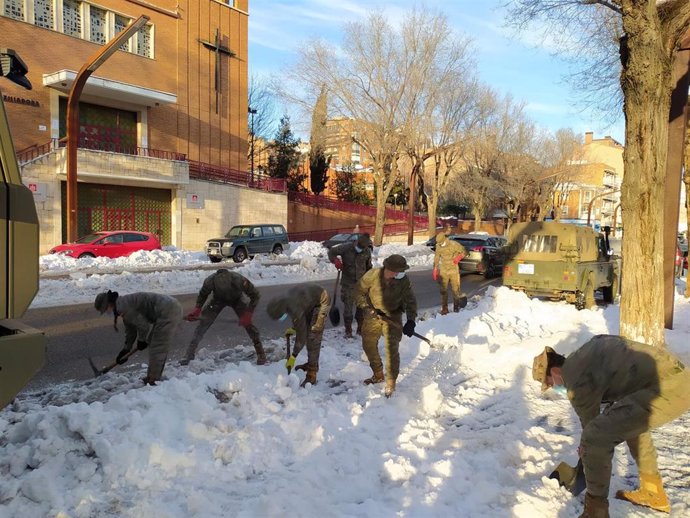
(99, 372)
(399, 326)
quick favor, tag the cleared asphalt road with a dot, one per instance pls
(78, 332)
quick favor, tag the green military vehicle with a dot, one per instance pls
(22, 348)
(561, 261)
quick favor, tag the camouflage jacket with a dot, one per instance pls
(354, 264)
(445, 255)
(608, 368)
(305, 304)
(139, 311)
(227, 287)
(394, 297)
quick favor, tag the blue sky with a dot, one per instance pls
(521, 65)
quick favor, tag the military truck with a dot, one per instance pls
(22, 348)
(561, 261)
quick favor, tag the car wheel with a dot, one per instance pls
(85, 254)
(214, 259)
(240, 255)
(277, 250)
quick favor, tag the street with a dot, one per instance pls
(77, 332)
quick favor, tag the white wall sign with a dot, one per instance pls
(39, 190)
(195, 201)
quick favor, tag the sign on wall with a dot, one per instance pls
(195, 201)
(39, 190)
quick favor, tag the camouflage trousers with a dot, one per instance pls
(453, 278)
(631, 419)
(314, 338)
(159, 339)
(347, 296)
(372, 329)
(208, 317)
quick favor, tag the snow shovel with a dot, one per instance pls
(571, 478)
(334, 313)
(396, 324)
(99, 372)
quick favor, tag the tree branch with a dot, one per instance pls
(605, 3)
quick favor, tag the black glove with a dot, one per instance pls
(122, 356)
(141, 345)
(408, 328)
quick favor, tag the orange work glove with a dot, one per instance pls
(194, 314)
(245, 319)
(458, 259)
(338, 263)
(435, 274)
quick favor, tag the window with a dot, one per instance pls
(268, 231)
(43, 13)
(121, 22)
(144, 41)
(98, 25)
(256, 232)
(14, 9)
(130, 238)
(278, 230)
(71, 18)
(564, 210)
(539, 243)
(115, 238)
(587, 196)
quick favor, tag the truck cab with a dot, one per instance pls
(561, 261)
(22, 348)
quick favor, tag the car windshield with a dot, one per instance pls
(238, 232)
(90, 237)
(471, 243)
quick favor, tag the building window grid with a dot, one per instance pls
(66, 16)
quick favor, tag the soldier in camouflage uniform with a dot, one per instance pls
(383, 295)
(307, 306)
(150, 319)
(643, 387)
(354, 260)
(228, 289)
(448, 254)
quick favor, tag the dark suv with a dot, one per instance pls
(485, 253)
(244, 241)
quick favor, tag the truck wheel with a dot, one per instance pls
(240, 255)
(214, 259)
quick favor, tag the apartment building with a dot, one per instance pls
(165, 112)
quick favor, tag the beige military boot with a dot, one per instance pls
(595, 507)
(376, 378)
(650, 494)
(309, 378)
(260, 354)
(390, 387)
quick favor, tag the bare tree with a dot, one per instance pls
(318, 162)
(261, 121)
(652, 31)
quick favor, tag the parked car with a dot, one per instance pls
(243, 241)
(339, 239)
(485, 253)
(117, 243)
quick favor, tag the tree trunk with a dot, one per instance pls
(686, 181)
(645, 80)
(431, 203)
(380, 213)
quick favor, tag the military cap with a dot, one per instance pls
(276, 307)
(440, 237)
(540, 367)
(364, 240)
(395, 263)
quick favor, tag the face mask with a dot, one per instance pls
(358, 249)
(400, 275)
(443, 244)
(283, 317)
(560, 390)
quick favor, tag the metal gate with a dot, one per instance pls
(114, 207)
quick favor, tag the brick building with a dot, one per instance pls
(160, 118)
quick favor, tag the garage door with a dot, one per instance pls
(114, 207)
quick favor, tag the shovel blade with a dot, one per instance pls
(334, 315)
(96, 371)
(569, 477)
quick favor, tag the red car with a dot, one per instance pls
(116, 243)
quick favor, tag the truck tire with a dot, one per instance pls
(239, 255)
(585, 298)
(214, 258)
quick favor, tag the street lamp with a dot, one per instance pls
(395, 201)
(252, 112)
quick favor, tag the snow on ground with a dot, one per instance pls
(65, 280)
(468, 433)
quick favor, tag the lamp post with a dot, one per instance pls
(252, 112)
(395, 201)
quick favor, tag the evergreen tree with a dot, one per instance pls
(348, 187)
(284, 157)
(318, 163)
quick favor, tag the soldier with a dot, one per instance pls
(307, 306)
(354, 260)
(448, 253)
(150, 319)
(383, 295)
(228, 289)
(643, 387)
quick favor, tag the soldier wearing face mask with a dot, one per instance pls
(383, 295)
(353, 260)
(448, 255)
